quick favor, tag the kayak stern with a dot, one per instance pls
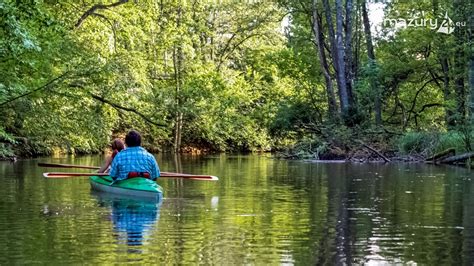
(139, 187)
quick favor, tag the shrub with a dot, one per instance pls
(415, 142)
(428, 143)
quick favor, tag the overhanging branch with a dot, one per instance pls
(35, 90)
(117, 106)
(94, 8)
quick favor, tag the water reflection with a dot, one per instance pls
(133, 218)
(260, 212)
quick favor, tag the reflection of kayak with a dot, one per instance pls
(133, 218)
(138, 186)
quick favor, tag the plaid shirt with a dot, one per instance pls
(134, 159)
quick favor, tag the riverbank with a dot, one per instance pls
(437, 147)
(360, 147)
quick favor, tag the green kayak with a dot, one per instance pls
(138, 186)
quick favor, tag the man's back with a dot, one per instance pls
(134, 159)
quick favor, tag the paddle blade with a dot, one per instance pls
(64, 174)
(188, 176)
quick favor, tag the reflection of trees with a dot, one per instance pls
(272, 212)
(468, 223)
(402, 213)
(338, 215)
(327, 192)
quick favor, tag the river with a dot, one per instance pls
(261, 211)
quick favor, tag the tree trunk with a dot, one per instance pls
(335, 57)
(357, 39)
(460, 88)
(178, 59)
(178, 131)
(348, 52)
(459, 83)
(212, 22)
(447, 94)
(471, 68)
(443, 56)
(373, 65)
(460, 63)
(339, 61)
(442, 155)
(471, 87)
(318, 35)
(458, 158)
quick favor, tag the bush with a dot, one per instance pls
(428, 143)
(6, 151)
(415, 142)
(450, 140)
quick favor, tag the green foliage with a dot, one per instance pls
(5, 137)
(354, 116)
(206, 62)
(6, 151)
(292, 117)
(416, 142)
(222, 76)
(429, 143)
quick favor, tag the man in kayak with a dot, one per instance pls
(134, 161)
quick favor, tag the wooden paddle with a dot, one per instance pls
(60, 165)
(162, 174)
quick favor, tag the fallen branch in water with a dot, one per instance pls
(458, 158)
(441, 155)
(375, 151)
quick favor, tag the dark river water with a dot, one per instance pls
(261, 211)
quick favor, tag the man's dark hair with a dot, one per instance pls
(133, 139)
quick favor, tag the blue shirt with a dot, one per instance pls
(134, 159)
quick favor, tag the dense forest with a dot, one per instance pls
(310, 78)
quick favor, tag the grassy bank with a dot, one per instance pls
(355, 145)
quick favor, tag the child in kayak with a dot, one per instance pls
(117, 146)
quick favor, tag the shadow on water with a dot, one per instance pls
(133, 218)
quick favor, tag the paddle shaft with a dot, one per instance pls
(163, 174)
(61, 165)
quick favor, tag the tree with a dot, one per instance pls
(372, 65)
(318, 35)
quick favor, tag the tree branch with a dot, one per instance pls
(112, 27)
(375, 151)
(413, 105)
(101, 99)
(428, 106)
(225, 56)
(94, 8)
(35, 90)
(258, 23)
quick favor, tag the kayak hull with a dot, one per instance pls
(137, 187)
